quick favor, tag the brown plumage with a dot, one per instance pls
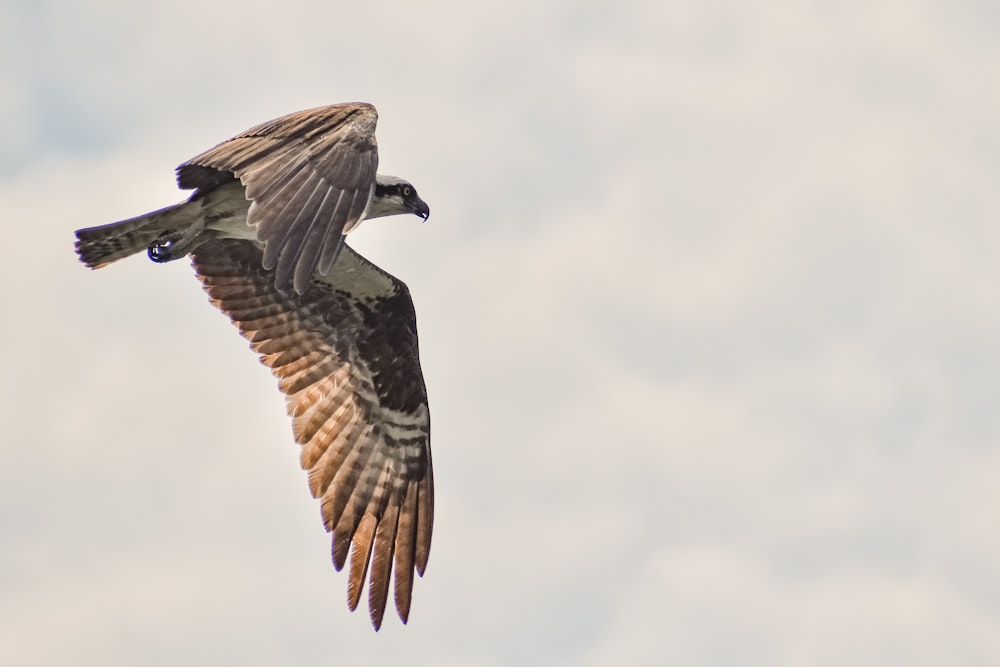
(309, 175)
(349, 367)
(265, 229)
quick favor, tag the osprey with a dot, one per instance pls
(265, 229)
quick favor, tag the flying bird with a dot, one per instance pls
(265, 229)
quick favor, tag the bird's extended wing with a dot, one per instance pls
(309, 176)
(346, 358)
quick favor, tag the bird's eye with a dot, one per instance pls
(407, 191)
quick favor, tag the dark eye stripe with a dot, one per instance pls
(401, 189)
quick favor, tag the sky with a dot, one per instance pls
(709, 311)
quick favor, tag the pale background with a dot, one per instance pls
(709, 305)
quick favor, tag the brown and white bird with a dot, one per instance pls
(265, 229)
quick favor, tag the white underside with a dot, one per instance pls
(227, 208)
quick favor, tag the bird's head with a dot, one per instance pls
(394, 196)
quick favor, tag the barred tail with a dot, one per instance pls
(99, 246)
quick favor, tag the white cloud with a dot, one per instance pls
(707, 311)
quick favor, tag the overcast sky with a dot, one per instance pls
(709, 309)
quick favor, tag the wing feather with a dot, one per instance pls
(405, 552)
(345, 493)
(361, 552)
(347, 363)
(385, 537)
(291, 167)
(353, 491)
(425, 518)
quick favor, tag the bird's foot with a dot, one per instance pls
(161, 250)
(173, 245)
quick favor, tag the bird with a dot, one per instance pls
(265, 229)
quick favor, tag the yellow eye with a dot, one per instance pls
(407, 191)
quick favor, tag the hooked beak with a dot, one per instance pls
(420, 207)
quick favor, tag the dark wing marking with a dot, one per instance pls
(350, 369)
(309, 176)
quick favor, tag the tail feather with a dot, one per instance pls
(99, 246)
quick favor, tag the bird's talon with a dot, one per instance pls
(159, 250)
